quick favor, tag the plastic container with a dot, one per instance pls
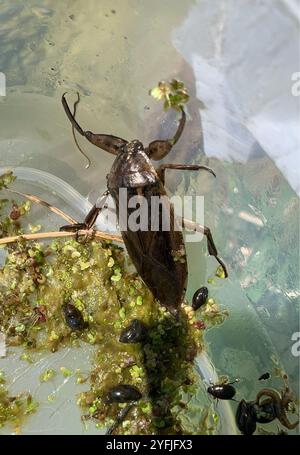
(62, 415)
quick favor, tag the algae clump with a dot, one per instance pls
(45, 288)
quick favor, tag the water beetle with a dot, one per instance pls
(245, 418)
(266, 411)
(123, 393)
(224, 391)
(250, 413)
(73, 317)
(134, 333)
(199, 298)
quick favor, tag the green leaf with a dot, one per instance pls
(174, 94)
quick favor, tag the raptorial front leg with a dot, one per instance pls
(91, 217)
(212, 250)
(157, 150)
(187, 167)
(74, 135)
(107, 142)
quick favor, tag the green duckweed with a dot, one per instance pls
(37, 279)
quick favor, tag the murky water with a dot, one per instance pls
(242, 122)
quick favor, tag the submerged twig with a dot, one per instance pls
(56, 234)
(40, 201)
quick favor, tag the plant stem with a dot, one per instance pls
(40, 201)
(54, 234)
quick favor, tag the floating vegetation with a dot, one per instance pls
(65, 293)
(14, 409)
(174, 94)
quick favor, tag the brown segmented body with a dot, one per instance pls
(152, 252)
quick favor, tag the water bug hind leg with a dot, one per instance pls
(90, 218)
(73, 227)
(212, 250)
(77, 227)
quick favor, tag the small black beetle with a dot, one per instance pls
(73, 317)
(224, 391)
(134, 333)
(123, 393)
(199, 298)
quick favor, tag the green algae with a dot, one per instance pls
(14, 409)
(38, 278)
